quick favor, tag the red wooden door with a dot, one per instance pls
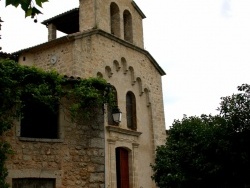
(122, 168)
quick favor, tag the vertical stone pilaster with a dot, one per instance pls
(111, 170)
(78, 58)
(51, 32)
(153, 131)
(135, 165)
(87, 14)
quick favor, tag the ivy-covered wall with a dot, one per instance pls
(75, 157)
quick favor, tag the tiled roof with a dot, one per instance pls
(67, 22)
(45, 22)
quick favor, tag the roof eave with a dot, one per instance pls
(138, 10)
(50, 20)
(78, 35)
(45, 44)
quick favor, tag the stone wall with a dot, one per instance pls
(133, 68)
(75, 160)
(78, 159)
(95, 53)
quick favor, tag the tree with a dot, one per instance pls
(208, 151)
(28, 6)
(236, 108)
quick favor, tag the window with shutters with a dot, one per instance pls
(122, 168)
(131, 111)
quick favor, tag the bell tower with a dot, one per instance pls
(87, 14)
(121, 18)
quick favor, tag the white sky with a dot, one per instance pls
(203, 46)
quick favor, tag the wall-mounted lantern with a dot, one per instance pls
(117, 114)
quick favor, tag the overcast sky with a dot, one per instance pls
(203, 46)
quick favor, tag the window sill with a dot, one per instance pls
(26, 139)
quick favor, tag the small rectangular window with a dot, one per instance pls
(39, 120)
(33, 183)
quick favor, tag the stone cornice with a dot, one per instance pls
(138, 10)
(123, 131)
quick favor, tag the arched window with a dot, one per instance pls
(131, 111)
(122, 167)
(128, 30)
(110, 117)
(115, 19)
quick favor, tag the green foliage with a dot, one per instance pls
(188, 159)
(28, 6)
(88, 96)
(5, 149)
(20, 83)
(208, 151)
(23, 82)
(235, 108)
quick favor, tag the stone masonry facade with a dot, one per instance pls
(75, 159)
(85, 155)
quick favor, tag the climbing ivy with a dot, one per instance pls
(80, 97)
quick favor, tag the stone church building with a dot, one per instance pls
(104, 39)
